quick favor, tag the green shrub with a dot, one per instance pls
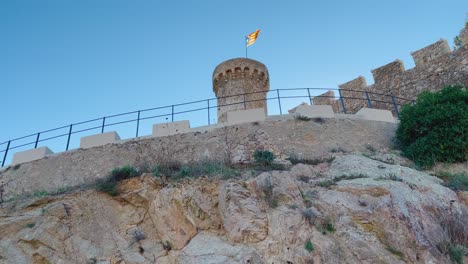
(309, 246)
(263, 157)
(126, 172)
(108, 186)
(302, 118)
(456, 253)
(30, 225)
(457, 182)
(435, 128)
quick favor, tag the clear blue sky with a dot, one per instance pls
(64, 61)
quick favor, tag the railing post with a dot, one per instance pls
(395, 106)
(37, 140)
(138, 123)
(208, 103)
(342, 102)
(6, 153)
(310, 98)
(279, 101)
(172, 114)
(369, 103)
(69, 135)
(103, 124)
(245, 106)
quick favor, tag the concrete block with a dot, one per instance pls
(246, 116)
(30, 155)
(167, 129)
(313, 111)
(375, 115)
(99, 139)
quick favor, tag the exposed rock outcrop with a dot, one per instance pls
(369, 212)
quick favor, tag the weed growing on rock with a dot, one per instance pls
(263, 157)
(328, 225)
(109, 184)
(456, 253)
(302, 118)
(458, 182)
(395, 251)
(309, 246)
(166, 245)
(393, 177)
(39, 194)
(122, 173)
(270, 197)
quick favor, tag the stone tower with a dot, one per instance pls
(240, 76)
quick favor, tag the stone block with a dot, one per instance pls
(246, 116)
(427, 54)
(313, 111)
(167, 129)
(388, 72)
(30, 155)
(99, 139)
(375, 115)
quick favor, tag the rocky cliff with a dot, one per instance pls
(353, 209)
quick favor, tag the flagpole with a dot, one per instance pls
(245, 47)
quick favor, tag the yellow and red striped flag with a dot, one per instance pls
(252, 37)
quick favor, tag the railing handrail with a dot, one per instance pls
(277, 96)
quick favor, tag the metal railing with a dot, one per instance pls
(42, 136)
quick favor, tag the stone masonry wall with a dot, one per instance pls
(233, 143)
(436, 67)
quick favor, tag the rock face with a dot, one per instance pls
(370, 212)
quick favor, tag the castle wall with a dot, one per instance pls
(237, 143)
(436, 67)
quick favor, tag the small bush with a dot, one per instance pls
(30, 225)
(41, 193)
(328, 225)
(458, 182)
(309, 246)
(108, 186)
(263, 157)
(435, 128)
(302, 118)
(126, 172)
(456, 253)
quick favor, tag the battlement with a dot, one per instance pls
(436, 67)
(358, 84)
(388, 71)
(239, 68)
(427, 54)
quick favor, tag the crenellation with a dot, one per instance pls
(431, 52)
(388, 72)
(354, 89)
